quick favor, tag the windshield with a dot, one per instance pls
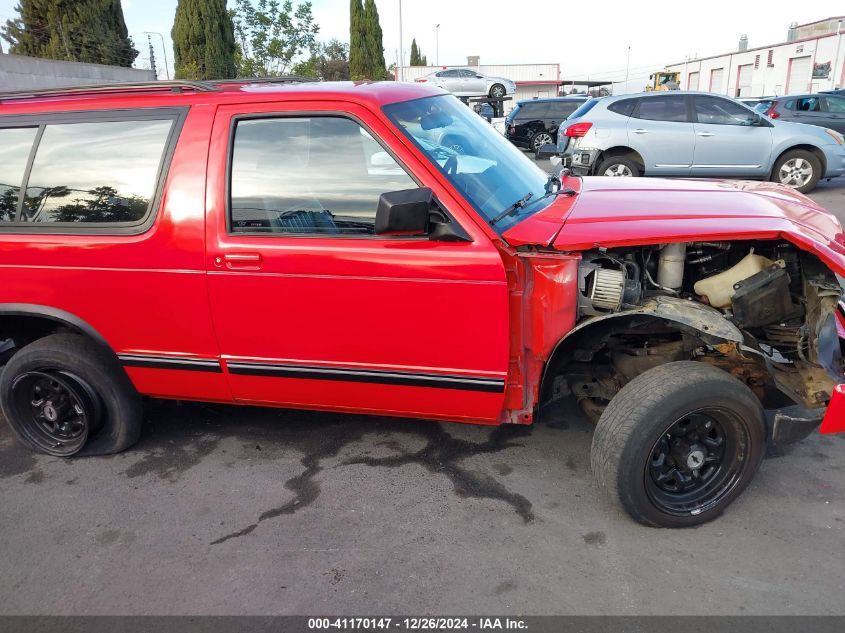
(485, 167)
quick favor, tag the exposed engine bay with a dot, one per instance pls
(762, 310)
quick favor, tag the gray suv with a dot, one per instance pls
(696, 134)
(824, 110)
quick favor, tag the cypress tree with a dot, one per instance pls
(92, 31)
(373, 42)
(203, 40)
(415, 53)
(357, 51)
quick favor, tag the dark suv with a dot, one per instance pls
(534, 123)
(825, 110)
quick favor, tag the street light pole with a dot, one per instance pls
(627, 68)
(437, 45)
(163, 50)
(401, 51)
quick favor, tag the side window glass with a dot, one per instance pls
(15, 146)
(670, 108)
(808, 104)
(720, 111)
(562, 110)
(102, 172)
(309, 175)
(836, 104)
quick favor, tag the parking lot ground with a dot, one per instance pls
(231, 510)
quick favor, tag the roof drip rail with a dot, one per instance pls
(281, 79)
(176, 86)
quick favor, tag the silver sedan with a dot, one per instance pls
(464, 82)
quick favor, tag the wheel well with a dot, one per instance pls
(21, 324)
(590, 350)
(815, 151)
(625, 152)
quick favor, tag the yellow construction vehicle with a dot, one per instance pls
(664, 80)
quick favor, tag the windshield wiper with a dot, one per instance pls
(516, 206)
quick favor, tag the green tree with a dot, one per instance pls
(417, 58)
(357, 48)
(92, 31)
(415, 53)
(271, 35)
(329, 61)
(373, 42)
(203, 40)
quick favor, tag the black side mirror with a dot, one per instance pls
(404, 212)
(546, 151)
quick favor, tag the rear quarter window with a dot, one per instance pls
(85, 172)
(15, 147)
(624, 107)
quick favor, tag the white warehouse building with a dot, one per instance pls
(811, 59)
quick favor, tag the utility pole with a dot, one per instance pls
(401, 50)
(835, 70)
(437, 45)
(163, 50)
(627, 68)
(152, 57)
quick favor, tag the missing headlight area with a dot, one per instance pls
(762, 310)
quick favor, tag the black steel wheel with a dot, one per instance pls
(58, 410)
(697, 461)
(66, 395)
(678, 444)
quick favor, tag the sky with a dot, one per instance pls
(590, 40)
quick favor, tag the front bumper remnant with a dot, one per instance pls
(793, 424)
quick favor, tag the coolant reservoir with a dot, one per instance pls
(719, 289)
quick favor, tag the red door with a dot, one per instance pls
(313, 310)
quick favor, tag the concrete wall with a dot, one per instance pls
(18, 72)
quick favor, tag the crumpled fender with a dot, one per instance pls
(697, 319)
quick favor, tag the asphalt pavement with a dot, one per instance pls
(233, 510)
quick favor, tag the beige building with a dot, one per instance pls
(811, 59)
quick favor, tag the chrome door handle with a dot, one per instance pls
(706, 134)
(242, 261)
(640, 130)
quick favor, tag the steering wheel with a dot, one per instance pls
(451, 165)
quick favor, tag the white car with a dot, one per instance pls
(464, 82)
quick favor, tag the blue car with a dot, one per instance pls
(697, 134)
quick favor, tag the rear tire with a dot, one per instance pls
(678, 444)
(64, 395)
(618, 166)
(799, 169)
(540, 139)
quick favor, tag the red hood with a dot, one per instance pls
(614, 212)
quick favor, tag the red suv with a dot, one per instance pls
(320, 246)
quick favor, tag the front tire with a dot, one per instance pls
(798, 169)
(497, 91)
(678, 444)
(63, 395)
